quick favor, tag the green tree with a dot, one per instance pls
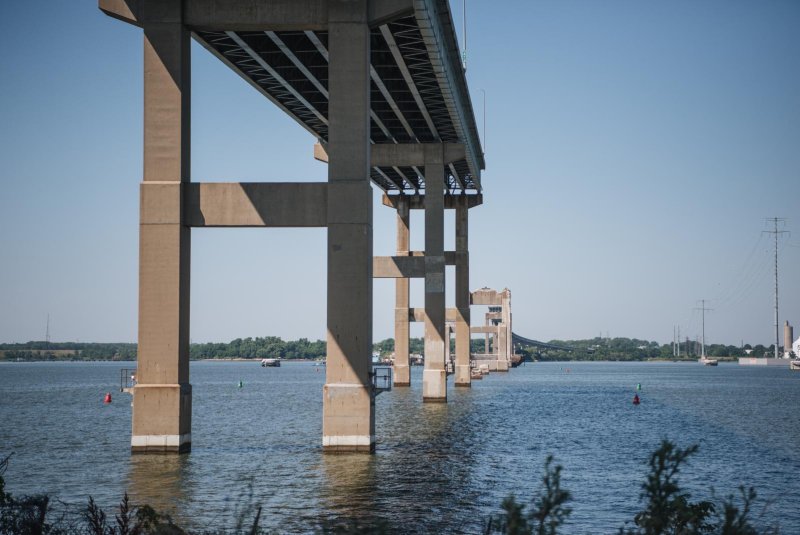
(668, 510)
(548, 508)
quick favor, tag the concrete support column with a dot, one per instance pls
(502, 348)
(402, 375)
(462, 371)
(507, 341)
(434, 376)
(162, 397)
(348, 415)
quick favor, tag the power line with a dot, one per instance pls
(750, 269)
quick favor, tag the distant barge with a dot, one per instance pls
(755, 361)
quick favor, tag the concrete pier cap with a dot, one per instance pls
(497, 326)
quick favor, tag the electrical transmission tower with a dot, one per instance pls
(775, 232)
(703, 339)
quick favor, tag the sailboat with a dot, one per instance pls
(705, 361)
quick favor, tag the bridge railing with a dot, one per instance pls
(127, 379)
(381, 379)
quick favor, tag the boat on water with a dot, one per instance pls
(270, 363)
(705, 361)
(794, 364)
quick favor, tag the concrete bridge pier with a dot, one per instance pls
(434, 376)
(463, 375)
(402, 373)
(162, 398)
(348, 414)
(497, 328)
(506, 342)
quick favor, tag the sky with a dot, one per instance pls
(633, 152)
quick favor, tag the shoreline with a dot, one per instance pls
(231, 359)
(258, 360)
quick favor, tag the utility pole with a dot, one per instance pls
(703, 339)
(776, 232)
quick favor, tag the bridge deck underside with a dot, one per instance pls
(408, 102)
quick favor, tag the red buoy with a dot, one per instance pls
(636, 399)
(107, 399)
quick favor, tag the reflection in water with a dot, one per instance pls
(162, 481)
(427, 460)
(350, 488)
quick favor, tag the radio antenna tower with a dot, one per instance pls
(776, 232)
(674, 345)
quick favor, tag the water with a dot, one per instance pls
(438, 468)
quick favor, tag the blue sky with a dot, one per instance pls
(633, 151)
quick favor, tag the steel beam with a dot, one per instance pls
(245, 15)
(278, 78)
(417, 202)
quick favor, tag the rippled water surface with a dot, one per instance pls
(438, 468)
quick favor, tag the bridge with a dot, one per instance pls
(381, 86)
(521, 340)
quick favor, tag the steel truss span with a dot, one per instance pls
(535, 343)
(418, 90)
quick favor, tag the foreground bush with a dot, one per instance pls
(667, 509)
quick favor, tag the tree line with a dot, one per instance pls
(632, 349)
(629, 349)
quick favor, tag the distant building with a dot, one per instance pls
(788, 336)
